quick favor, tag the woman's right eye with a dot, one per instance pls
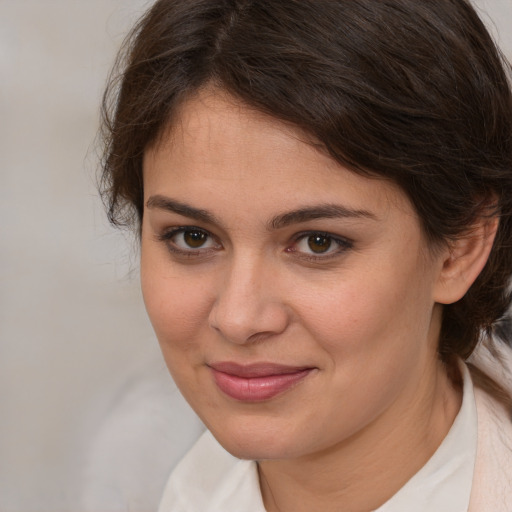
(190, 241)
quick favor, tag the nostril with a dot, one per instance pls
(261, 336)
(249, 323)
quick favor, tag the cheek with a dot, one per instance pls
(178, 307)
(369, 317)
(179, 315)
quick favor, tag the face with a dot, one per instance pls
(293, 299)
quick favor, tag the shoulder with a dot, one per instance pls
(211, 480)
(492, 483)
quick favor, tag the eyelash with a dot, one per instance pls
(343, 244)
(168, 236)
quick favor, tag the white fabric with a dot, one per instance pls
(444, 483)
(211, 480)
(492, 483)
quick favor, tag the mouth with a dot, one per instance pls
(256, 382)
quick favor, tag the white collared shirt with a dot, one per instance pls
(209, 479)
(443, 484)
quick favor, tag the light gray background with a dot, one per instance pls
(89, 419)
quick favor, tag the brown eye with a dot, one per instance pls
(320, 246)
(319, 243)
(190, 240)
(194, 238)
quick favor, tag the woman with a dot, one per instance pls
(323, 191)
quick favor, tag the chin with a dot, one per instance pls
(257, 439)
(256, 449)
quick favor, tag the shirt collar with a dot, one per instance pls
(444, 482)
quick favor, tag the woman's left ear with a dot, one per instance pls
(464, 259)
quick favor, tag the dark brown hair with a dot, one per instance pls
(412, 91)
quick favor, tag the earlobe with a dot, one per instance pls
(464, 259)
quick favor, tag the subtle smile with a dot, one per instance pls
(256, 382)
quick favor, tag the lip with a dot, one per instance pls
(256, 382)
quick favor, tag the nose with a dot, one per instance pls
(248, 306)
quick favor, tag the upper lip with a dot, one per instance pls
(253, 370)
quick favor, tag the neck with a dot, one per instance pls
(363, 472)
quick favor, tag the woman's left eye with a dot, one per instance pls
(318, 245)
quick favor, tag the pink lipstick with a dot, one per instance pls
(256, 382)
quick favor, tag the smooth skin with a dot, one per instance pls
(258, 247)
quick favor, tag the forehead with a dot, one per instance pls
(219, 147)
(214, 122)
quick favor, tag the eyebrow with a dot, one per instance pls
(170, 205)
(321, 211)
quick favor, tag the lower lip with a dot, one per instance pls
(257, 389)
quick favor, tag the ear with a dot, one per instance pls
(463, 261)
